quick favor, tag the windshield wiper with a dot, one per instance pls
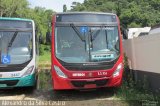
(77, 32)
(95, 34)
(93, 37)
(106, 38)
(12, 40)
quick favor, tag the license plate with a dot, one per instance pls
(0, 75)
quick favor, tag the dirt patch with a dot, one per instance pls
(96, 97)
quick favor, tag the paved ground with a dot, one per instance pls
(68, 95)
(100, 97)
(96, 97)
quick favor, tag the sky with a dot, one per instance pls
(55, 5)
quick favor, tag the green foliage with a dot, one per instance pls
(13, 8)
(47, 49)
(42, 19)
(64, 8)
(45, 58)
(136, 93)
(132, 13)
(45, 81)
(20, 9)
(44, 48)
(41, 50)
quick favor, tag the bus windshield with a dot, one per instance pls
(81, 44)
(15, 47)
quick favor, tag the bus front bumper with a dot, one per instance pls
(66, 83)
(26, 81)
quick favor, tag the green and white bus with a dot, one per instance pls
(17, 53)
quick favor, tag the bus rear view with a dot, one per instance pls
(17, 53)
(86, 51)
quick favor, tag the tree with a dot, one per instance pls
(64, 8)
(11, 8)
(20, 9)
(132, 13)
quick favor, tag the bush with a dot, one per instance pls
(136, 93)
(47, 48)
(41, 50)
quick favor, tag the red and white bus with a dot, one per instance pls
(86, 50)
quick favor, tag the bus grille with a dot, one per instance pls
(83, 83)
(9, 82)
(88, 68)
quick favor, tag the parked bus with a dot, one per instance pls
(86, 51)
(17, 53)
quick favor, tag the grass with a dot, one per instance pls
(45, 81)
(134, 96)
(136, 93)
(45, 56)
(45, 61)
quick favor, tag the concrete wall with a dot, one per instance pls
(144, 57)
(144, 53)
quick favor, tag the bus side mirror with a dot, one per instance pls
(125, 33)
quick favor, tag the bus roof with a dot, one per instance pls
(18, 19)
(86, 13)
(86, 17)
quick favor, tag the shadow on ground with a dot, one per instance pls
(45, 91)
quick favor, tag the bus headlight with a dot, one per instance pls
(117, 71)
(29, 71)
(59, 72)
